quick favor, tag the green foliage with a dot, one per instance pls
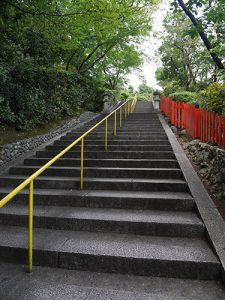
(124, 95)
(145, 89)
(144, 97)
(171, 87)
(31, 96)
(210, 18)
(213, 98)
(185, 62)
(59, 56)
(184, 96)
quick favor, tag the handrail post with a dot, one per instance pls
(120, 117)
(125, 111)
(106, 134)
(82, 164)
(115, 123)
(128, 104)
(30, 227)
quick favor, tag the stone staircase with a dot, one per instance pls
(134, 216)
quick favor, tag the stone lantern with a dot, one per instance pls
(156, 100)
(107, 102)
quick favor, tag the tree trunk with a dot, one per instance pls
(202, 34)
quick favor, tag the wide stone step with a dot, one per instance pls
(142, 222)
(91, 286)
(110, 154)
(111, 252)
(124, 135)
(114, 142)
(119, 131)
(124, 184)
(102, 172)
(115, 148)
(111, 137)
(119, 163)
(107, 199)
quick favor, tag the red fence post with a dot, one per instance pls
(197, 123)
(224, 132)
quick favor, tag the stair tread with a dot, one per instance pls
(111, 244)
(99, 168)
(93, 179)
(110, 159)
(123, 215)
(105, 193)
(65, 284)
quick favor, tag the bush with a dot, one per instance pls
(184, 96)
(144, 97)
(213, 98)
(31, 96)
(171, 87)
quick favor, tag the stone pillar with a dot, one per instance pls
(107, 103)
(156, 102)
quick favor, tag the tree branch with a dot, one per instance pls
(70, 59)
(100, 58)
(202, 34)
(89, 56)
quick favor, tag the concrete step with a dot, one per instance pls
(102, 172)
(142, 222)
(115, 142)
(124, 135)
(107, 199)
(120, 184)
(115, 148)
(119, 131)
(111, 252)
(118, 138)
(84, 285)
(111, 154)
(107, 163)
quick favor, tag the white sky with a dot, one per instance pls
(149, 46)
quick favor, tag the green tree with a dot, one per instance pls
(210, 26)
(185, 62)
(145, 89)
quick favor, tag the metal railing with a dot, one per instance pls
(128, 106)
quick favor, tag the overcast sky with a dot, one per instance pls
(149, 47)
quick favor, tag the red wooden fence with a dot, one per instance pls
(199, 123)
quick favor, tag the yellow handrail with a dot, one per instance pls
(30, 180)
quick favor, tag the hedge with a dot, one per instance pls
(30, 96)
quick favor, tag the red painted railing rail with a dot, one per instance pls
(198, 122)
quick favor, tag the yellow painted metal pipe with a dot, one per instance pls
(106, 134)
(82, 164)
(115, 123)
(120, 117)
(30, 227)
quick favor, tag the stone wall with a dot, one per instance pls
(211, 162)
(12, 151)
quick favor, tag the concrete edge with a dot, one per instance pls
(212, 219)
(31, 153)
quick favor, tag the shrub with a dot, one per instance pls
(171, 87)
(213, 98)
(184, 96)
(144, 97)
(31, 96)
